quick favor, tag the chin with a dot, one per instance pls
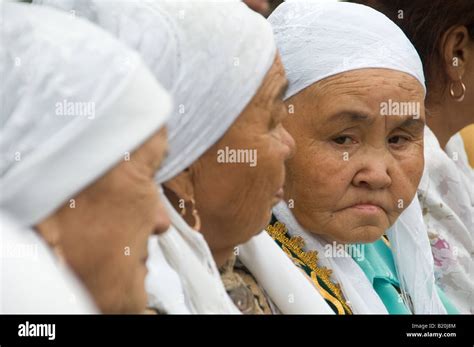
(138, 302)
(256, 228)
(366, 234)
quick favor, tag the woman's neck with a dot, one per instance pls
(445, 120)
(221, 256)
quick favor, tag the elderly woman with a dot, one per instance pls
(79, 153)
(229, 171)
(356, 92)
(443, 34)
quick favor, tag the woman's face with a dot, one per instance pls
(359, 161)
(240, 178)
(103, 237)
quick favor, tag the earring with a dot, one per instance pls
(458, 98)
(197, 223)
(183, 209)
(195, 213)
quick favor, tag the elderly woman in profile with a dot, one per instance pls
(356, 92)
(232, 95)
(78, 184)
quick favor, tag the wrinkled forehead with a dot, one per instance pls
(274, 84)
(363, 81)
(362, 97)
(363, 86)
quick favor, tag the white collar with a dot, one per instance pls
(290, 290)
(354, 283)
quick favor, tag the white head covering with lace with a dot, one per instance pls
(62, 127)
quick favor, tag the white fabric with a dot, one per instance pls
(48, 154)
(31, 279)
(139, 24)
(414, 261)
(186, 251)
(321, 39)
(446, 195)
(289, 289)
(163, 284)
(226, 49)
(355, 286)
(207, 53)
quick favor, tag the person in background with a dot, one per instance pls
(468, 138)
(260, 6)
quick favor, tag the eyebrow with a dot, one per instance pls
(352, 117)
(282, 89)
(413, 124)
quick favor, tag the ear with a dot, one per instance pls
(454, 49)
(182, 185)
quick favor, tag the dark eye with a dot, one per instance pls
(397, 140)
(343, 140)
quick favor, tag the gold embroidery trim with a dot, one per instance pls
(386, 241)
(326, 295)
(295, 244)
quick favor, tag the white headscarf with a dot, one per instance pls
(318, 40)
(321, 39)
(32, 281)
(207, 53)
(225, 51)
(74, 102)
(141, 25)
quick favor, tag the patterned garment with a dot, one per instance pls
(320, 277)
(243, 289)
(446, 195)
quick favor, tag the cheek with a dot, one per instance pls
(116, 241)
(133, 209)
(239, 196)
(407, 176)
(318, 178)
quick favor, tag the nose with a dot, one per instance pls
(373, 175)
(162, 220)
(289, 142)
